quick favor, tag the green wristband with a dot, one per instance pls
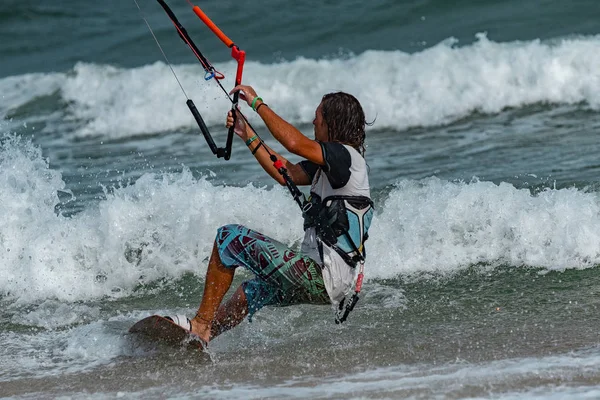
(254, 102)
(252, 139)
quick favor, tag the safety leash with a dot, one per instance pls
(344, 307)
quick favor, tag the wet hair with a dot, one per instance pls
(345, 120)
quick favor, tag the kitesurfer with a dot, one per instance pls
(336, 218)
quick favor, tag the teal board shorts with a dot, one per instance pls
(283, 276)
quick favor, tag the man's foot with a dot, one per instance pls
(200, 328)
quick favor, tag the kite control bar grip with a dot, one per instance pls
(232, 127)
(220, 152)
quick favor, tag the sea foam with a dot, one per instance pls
(435, 86)
(164, 225)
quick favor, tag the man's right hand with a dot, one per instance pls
(247, 93)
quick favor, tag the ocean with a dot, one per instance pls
(482, 279)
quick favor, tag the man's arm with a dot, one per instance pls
(295, 171)
(262, 152)
(290, 137)
(286, 134)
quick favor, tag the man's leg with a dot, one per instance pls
(231, 313)
(283, 277)
(217, 283)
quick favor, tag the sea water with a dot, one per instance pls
(482, 278)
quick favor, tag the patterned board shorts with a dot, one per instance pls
(283, 276)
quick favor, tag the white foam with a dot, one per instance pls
(435, 225)
(18, 90)
(435, 86)
(164, 226)
(171, 219)
(54, 352)
(52, 315)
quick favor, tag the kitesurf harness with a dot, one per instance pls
(341, 222)
(335, 218)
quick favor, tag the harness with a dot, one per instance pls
(342, 223)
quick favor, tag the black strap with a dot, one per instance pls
(259, 144)
(351, 261)
(364, 200)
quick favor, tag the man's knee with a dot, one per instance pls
(224, 231)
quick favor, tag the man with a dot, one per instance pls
(336, 220)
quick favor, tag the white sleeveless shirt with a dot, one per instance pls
(345, 173)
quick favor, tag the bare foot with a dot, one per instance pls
(201, 328)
